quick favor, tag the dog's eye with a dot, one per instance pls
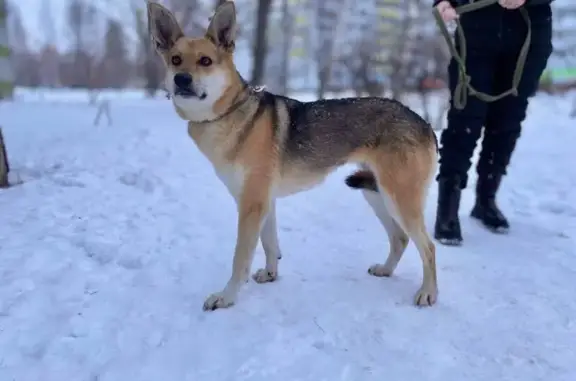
(176, 60)
(205, 61)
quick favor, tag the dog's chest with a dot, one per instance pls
(210, 143)
(214, 149)
(233, 178)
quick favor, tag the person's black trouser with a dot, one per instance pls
(494, 38)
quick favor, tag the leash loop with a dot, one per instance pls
(464, 86)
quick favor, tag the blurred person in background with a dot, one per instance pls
(494, 38)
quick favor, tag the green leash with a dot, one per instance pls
(463, 88)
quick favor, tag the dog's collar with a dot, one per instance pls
(251, 91)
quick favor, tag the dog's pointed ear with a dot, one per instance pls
(222, 28)
(162, 26)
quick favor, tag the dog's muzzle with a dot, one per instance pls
(184, 87)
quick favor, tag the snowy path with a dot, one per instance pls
(119, 233)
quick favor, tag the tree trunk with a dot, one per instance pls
(286, 47)
(6, 69)
(261, 42)
(152, 76)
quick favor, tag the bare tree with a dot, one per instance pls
(76, 16)
(82, 22)
(279, 41)
(48, 62)
(150, 63)
(360, 64)
(398, 57)
(359, 57)
(6, 70)
(46, 19)
(260, 42)
(16, 31)
(328, 24)
(114, 67)
(287, 21)
(24, 65)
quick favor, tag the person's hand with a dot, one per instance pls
(447, 11)
(511, 4)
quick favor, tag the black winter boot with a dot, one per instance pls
(485, 209)
(447, 228)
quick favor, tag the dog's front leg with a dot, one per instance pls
(253, 209)
(269, 238)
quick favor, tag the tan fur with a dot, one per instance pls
(404, 180)
(247, 156)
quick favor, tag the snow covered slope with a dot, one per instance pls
(118, 233)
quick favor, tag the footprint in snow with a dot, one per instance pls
(68, 182)
(100, 252)
(141, 180)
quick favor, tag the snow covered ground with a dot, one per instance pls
(118, 233)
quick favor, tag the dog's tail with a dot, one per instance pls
(362, 179)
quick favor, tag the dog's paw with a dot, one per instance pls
(426, 296)
(218, 300)
(264, 276)
(379, 270)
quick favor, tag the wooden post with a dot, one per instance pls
(4, 166)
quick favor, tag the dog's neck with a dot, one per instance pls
(232, 100)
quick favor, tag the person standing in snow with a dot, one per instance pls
(494, 37)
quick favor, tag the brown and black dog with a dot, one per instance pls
(265, 146)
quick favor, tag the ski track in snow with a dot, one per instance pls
(118, 234)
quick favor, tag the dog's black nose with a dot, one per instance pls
(183, 80)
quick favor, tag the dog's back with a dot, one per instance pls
(324, 133)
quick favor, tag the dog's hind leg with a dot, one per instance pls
(396, 235)
(269, 239)
(403, 181)
(411, 217)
